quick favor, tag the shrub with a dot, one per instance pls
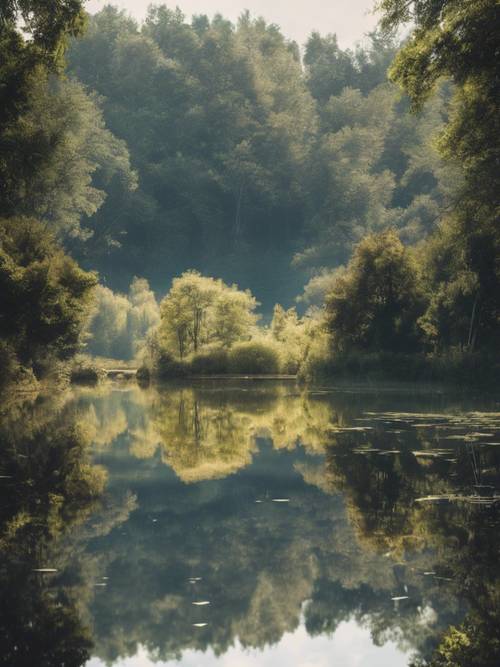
(143, 376)
(166, 367)
(9, 364)
(215, 362)
(455, 367)
(85, 371)
(253, 358)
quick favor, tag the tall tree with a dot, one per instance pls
(459, 39)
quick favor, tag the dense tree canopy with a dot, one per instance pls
(248, 158)
(199, 311)
(44, 295)
(459, 40)
(374, 303)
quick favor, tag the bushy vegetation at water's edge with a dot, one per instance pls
(458, 368)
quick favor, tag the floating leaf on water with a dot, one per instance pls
(45, 570)
(432, 453)
(281, 500)
(429, 573)
(199, 625)
(342, 429)
(433, 499)
(102, 584)
(194, 580)
(390, 451)
(474, 500)
(201, 603)
(259, 501)
(5, 476)
(399, 597)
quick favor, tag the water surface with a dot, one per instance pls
(247, 523)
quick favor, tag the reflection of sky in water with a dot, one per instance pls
(349, 571)
(350, 538)
(349, 646)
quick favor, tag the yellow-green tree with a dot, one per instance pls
(200, 310)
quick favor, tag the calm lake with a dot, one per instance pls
(244, 523)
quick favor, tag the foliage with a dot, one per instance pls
(242, 153)
(118, 324)
(294, 336)
(474, 642)
(212, 362)
(54, 152)
(25, 59)
(56, 157)
(253, 357)
(375, 301)
(44, 295)
(460, 40)
(199, 311)
(47, 27)
(85, 370)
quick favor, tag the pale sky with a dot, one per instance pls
(350, 19)
(349, 646)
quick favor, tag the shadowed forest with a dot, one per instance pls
(148, 170)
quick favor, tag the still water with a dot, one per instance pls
(248, 523)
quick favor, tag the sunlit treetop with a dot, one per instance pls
(452, 38)
(45, 24)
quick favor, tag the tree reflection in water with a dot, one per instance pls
(201, 467)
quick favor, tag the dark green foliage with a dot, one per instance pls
(210, 363)
(474, 643)
(47, 26)
(85, 371)
(460, 40)
(44, 295)
(166, 366)
(58, 158)
(249, 358)
(375, 301)
(462, 281)
(253, 358)
(242, 154)
(454, 368)
(329, 69)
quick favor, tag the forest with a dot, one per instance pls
(203, 197)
